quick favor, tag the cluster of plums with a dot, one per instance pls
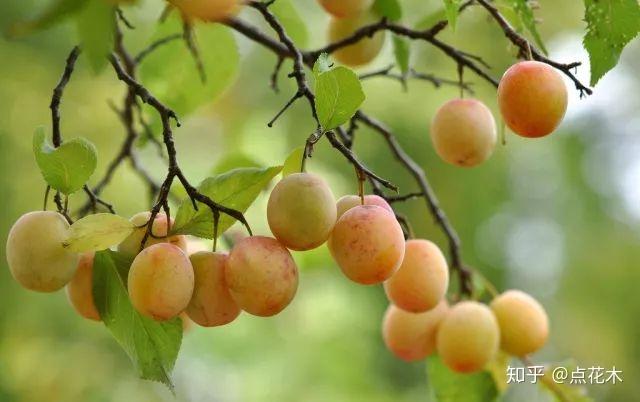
(259, 275)
(532, 98)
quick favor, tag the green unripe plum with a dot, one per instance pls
(463, 132)
(346, 8)
(35, 254)
(347, 202)
(533, 98)
(412, 336)
(524, 325)
(301, 211)
(207, 10)
(131, 245)
(368, 244)
(211, 304)
(161, 281)
(362, 52)
(80, 289)
(468, 337)
(261, 275)
(422, 280)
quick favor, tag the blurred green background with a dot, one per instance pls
(557, 217)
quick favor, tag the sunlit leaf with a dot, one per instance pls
(390, 9)
(402, 52)
(293, 162)
(68, 167)
(447, 386)
(339, 94)
(95, 32)
(294, 25)
(98, 232)
(452, 8)
(236, 189)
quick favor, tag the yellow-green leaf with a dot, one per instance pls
(98, 232)
(293, 162)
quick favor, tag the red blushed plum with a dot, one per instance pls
(261, 275)
(412, 336)
(463, 132)
(468, 337)
(301, 211)
(422, 280)
(532, 98)
(368, 244)
(347, 202)
(80, 289)
(211, 304)
(161, 281)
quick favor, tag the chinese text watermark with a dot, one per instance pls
(563, 375)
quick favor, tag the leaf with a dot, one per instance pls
(338, 96)
(293, 24)
(323, 64)
(68, 167)
(55, 12)
(402, 52)
(390, 9)
(430, 20)
(523, 11)
(293, 162)
(611, 25)
(451, 8)
(152, 346)
(98, 232)
(448, 386)
(178, 82)
(236, 189)
(95, 32)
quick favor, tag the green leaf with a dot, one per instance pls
(338, 96)
(98, 232)
(611, 25)
(293, 162)
(523, 11)
(55, 12)
(430, 20)
(178, 82)
(293, 24)
(402, 52)
(452, 8)
(68, 167)
(390, 9)
(448, 386)
(236, 189)
(323, 64)
(95, 32)
(152, 346)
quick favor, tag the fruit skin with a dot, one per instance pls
(362, 52)
(131, 245)
(463, 132)
(261, 275)
(347, 202)
(80, 289)
(346, 8)
(468, 337)
(533, 98)
(35, 254)
(301, 211)
(368, 244)
(422, 280)
(412, 336)
(211, 304)
(207, 10)
(524, 325)
(161, 281)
